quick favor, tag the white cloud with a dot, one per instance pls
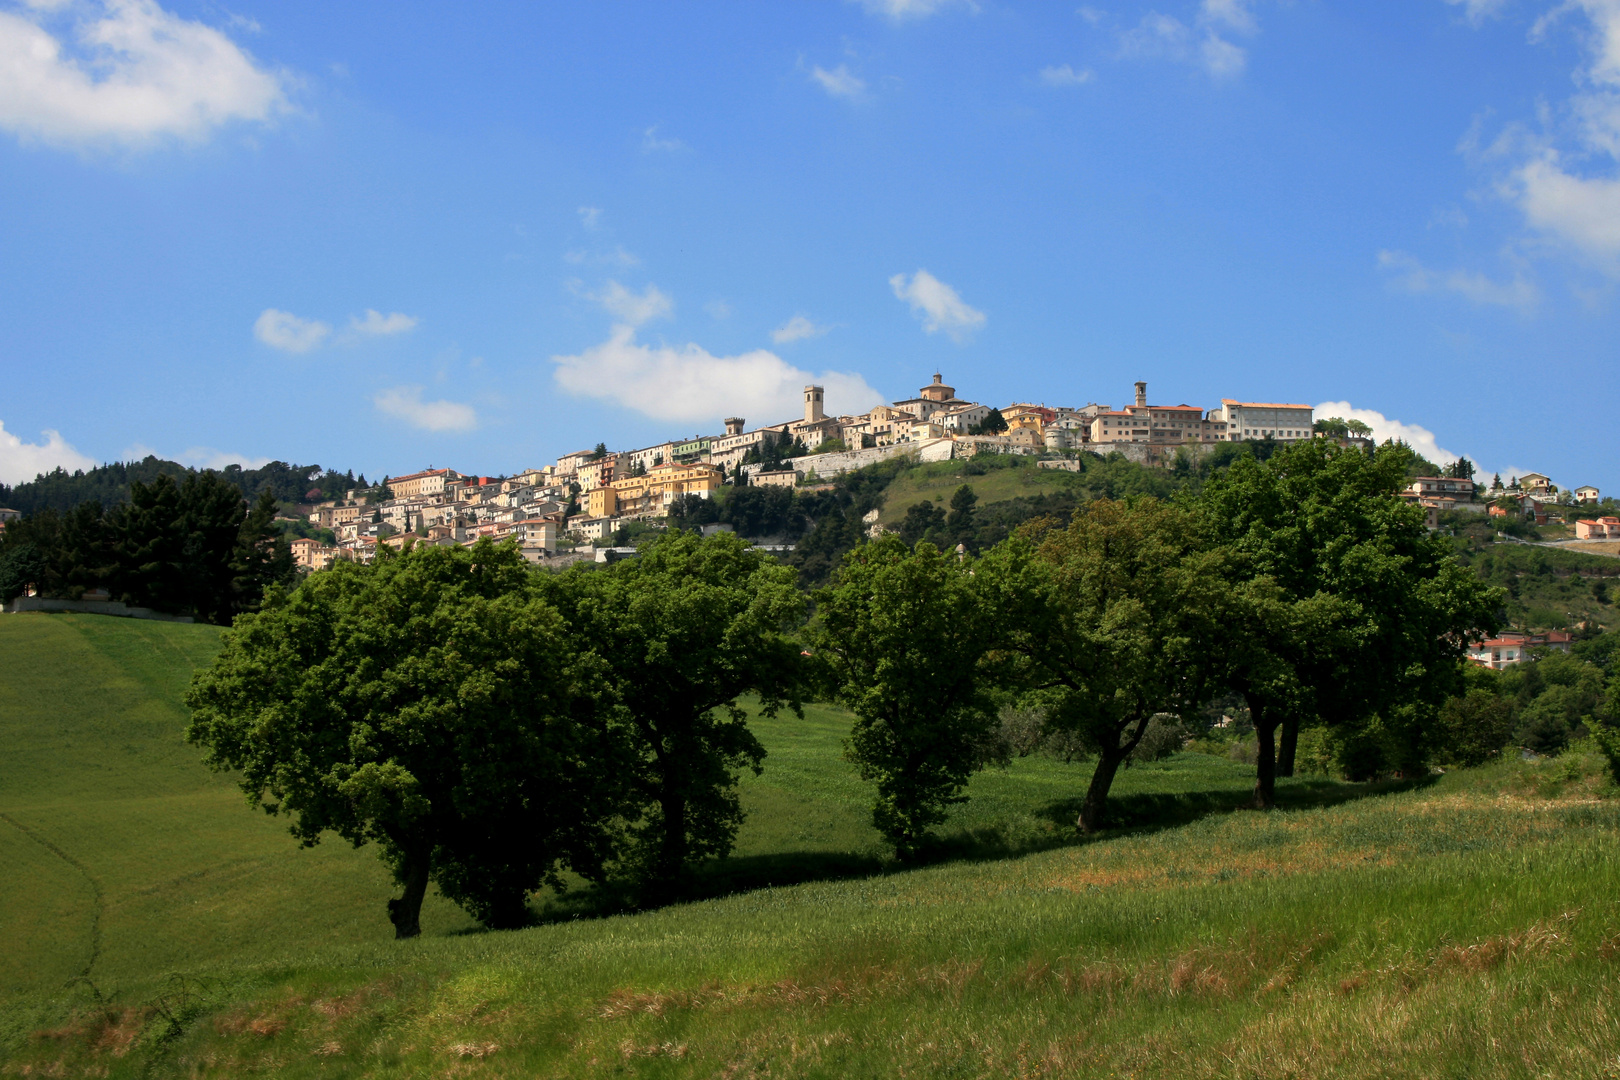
(1584, 212)
(1065, 75)
(690, 384)
(617, 257)
(1235, 14)
(1417, 437)
(287, 332)
(1564, 179)
(20, 462)
(839, 82)
(379, 325)
(1092, 15)
(718, 309)
(405, 403)
(1477, 11)
(1221, 57)
(651, 143)
(589, 216)
(133, 73)
(634, 308)
(1157, 36)
(937, 304)
(1411, 275)
(797, 329)
(206, 457)
(1166, 37)
(901, 10)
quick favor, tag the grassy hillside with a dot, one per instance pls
(1461, 927)
(938, 482)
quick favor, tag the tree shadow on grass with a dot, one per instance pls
(1133, 814)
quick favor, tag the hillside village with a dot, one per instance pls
(581, 501)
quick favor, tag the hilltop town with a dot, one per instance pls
(588, 496)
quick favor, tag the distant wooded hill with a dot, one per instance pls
(61, 490)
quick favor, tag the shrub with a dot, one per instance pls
(1475, 728)
(1165, 735)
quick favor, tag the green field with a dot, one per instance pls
(938, 482)
(151, 925)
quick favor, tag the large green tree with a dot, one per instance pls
(683, 631)
(902, 634)
(430, 703)
(1351, 607)
(1118, 618)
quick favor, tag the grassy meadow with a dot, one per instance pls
(938, 482)
(152, 925)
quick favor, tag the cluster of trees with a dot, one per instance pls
(771, 453)
(1541, 706)
(112, 484)
(193, 548)
(1299, 584)
(490, 725)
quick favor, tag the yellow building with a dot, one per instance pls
(653, 492)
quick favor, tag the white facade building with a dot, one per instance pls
(1260, 420)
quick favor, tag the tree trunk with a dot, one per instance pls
(1286, 745)
(1091, 811)
(671, 862)
(406, 912)
(1265, 765)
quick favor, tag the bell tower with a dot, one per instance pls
(812, 404)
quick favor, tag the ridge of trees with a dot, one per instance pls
(193, 548)
(111, 484)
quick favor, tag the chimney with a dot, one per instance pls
(812, 404)
(734, 425)
(1141, 395)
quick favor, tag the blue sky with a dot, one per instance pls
(386, 236)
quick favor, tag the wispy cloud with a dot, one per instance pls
(405, 403)
(1065, 75)
(206, 457)
(21, 461)
(653, 143)
(130, 73)
(690, 384)
(937, 304)
(617, 257)
(633, 308)
(1477, 11)
(797, 328)
(1235, 15)
(589, 216)
(285, 331)
(1409, 274)
(376, 324)
(1562, 178)
(1206, 44)
(902, 10)
(840, 82)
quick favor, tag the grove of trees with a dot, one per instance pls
(493, 726)
(192, 548)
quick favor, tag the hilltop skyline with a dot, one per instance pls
(384, 236)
